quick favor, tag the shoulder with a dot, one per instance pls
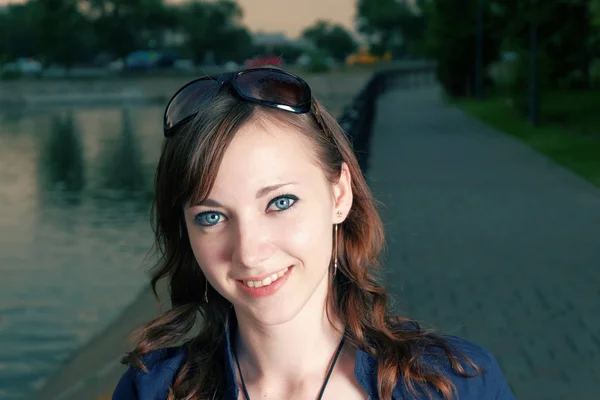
(161, 367)
(488, 384)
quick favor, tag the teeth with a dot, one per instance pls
(267, 281)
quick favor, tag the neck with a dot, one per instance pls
(293, 351)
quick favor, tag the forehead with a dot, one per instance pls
(265, 153)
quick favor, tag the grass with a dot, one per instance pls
(569, 132)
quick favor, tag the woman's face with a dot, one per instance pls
(263, 237)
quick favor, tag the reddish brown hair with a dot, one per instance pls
(186, 173)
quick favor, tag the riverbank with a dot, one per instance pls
(96, 367)
(333, 90)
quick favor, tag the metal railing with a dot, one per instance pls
(357, 119)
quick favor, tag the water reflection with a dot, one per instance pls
(75, 192)
(11, 115)
(62, 164)
(122, 173)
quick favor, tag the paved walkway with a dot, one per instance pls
(491, 241)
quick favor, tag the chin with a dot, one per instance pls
(274, 312)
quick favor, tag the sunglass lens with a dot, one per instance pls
(187, 102)
(274, 87)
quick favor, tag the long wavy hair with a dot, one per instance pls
(186, 172)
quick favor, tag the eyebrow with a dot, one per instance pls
(260, 193)
(268, 189)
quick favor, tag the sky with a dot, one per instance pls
(287, 16)
(291, 16)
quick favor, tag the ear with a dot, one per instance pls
(342, 195)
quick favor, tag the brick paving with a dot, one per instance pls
(489, 240)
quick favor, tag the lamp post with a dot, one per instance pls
(534, 88)
(479, 52)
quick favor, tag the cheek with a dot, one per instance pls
(308, 237)
(209, 253)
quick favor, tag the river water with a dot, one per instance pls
(75, 194)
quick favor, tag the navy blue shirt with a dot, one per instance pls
(164, 364)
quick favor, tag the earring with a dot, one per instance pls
(339, 214)
(335, 249)
(206, 290)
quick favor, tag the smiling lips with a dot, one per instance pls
(267, 281)
(267, 286)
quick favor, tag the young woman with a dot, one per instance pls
(266, 229)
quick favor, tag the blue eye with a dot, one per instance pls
(283, 202)
(209, 218)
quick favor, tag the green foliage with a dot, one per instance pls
(318, 62)
(595, 12)
(17, 34)
(122, 26)
(595, 73)
(451, 41)
(565, 50)
(10, 74)
(215, 28)
(62, 32)
(392, 25)
(66, 32)
(331, 39)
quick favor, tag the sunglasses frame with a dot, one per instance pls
(231, 77)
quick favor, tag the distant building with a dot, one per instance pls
(272, 39)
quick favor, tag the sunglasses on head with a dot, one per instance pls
(268, 87)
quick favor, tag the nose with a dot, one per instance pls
(253, 246)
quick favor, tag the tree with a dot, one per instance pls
(451, 39)
(565, 50)
(4, 42)
(17, 39)
(595, 28)
(392, 25)
(595, 12)
(214, 28)
(63, 34)
(53, 30)
(122, 26)
(331, 39)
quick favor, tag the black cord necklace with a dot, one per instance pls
(337, 353)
